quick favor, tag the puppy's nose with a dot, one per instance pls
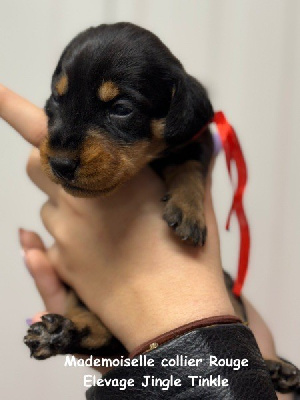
(64, 167)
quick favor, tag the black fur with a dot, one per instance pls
(154, 85)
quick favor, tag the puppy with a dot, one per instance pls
(120, 100)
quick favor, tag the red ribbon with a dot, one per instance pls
(233, 152)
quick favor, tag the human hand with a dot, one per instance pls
(53, 293)
(51, 289)
(30, 121)
(117, 250)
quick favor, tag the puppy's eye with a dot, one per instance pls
(121, 109)
(55, 97)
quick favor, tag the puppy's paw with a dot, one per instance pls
(53, 335)
(186, 218)
(285, 376)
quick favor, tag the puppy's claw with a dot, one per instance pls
(53, 322)
(190, 228)
(173, 216)
(36, 329)
(201, 236)
(172, 224)
(165, 198)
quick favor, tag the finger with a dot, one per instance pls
(49, 217)
(50, 287)
(30, 240)
(27, 119)
(37, 317)
(38, 176)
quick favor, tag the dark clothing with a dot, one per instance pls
(217, 344)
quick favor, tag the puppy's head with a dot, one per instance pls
(119, 99)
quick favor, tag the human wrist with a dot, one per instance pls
(152, 307)
(182, 330)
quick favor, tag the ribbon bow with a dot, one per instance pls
(233, 153)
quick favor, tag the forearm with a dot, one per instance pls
(149, 307)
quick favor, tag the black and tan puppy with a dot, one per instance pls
(120, 100)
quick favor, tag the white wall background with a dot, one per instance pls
(247, 52)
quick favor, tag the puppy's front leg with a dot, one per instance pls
(184, 210)
(184, 171)
(78, 332)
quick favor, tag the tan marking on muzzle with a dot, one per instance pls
(108, 91)
(104, 164)
(47, 152)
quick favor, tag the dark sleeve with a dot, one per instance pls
(225, 342)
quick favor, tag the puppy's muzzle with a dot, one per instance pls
(64, 168)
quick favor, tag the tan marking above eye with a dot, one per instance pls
(108, 91)
(61, 85)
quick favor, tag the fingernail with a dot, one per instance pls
(29, 321)
(166, 198)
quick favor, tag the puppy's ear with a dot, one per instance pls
(190, 110)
